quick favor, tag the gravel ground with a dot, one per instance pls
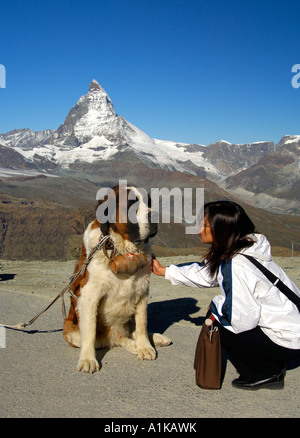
(38, 368)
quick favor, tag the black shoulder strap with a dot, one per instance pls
(276, 281)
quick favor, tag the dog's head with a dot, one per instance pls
(126, 210)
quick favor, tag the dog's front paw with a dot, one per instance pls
(147, 353)
(160, 340)
(88, 365)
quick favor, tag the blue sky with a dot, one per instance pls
(184, 70)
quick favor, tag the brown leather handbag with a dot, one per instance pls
(207, 362)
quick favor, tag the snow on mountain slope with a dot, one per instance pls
(182, 152)
(166, 154)
(288, 139)
(25, 138)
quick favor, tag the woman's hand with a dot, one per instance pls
(157, 268)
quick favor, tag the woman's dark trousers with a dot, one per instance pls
(254, 355)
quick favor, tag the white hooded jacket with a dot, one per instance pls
(247, 299)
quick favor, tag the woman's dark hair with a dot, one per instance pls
(230, 227)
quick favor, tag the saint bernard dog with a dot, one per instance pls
(110, 309)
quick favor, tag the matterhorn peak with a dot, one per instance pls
(92, 122)
(95, 86)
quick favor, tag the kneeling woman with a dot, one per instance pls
(259, 326)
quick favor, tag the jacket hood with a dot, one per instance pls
(261, 248)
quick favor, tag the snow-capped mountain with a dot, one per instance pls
(93, 132)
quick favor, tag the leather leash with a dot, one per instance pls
(73, 278)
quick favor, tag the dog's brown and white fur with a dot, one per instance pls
(111, 309)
